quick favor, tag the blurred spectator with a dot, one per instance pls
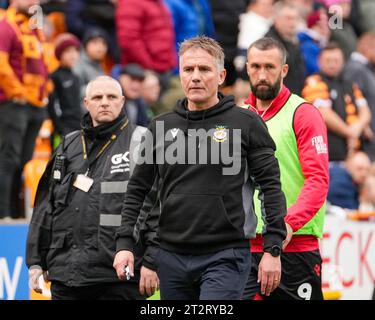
(355, 17)
(284, 29)
(345, 180)
(82, 15)
(367, 195)
(226, 18)
(49, 46)
(146, 36)
(131, 79)
(95, 46)
(343, 33)
(57, 22)
(3, 4)
(305, 8)
(23, 96)
(190, 18)
(254, 24)
(151, 89)
(64, 102)
(314, 38)
(50, 6)
(241, 91)
(340, 102)
(358, 69)
(367, 14)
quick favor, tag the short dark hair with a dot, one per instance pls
(331, 46)
(268, 43)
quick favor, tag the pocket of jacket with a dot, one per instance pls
(61, 191)
(57, 241)
(196, 218)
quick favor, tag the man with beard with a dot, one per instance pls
(300, 136)
(23, 96)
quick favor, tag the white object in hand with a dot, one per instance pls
(127, 272)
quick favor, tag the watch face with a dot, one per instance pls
(275, 251)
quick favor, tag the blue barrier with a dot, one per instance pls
(13, 270)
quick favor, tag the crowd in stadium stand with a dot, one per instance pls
(331, 53)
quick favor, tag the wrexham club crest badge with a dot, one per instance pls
(220, 134)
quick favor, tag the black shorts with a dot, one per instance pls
(300, 277)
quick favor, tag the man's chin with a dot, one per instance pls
(264, 95)
(197, 98)
(105, 118)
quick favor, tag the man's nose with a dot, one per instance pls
(105, 101)
(262, 75)
(196, 75)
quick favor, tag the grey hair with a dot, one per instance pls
(207, 44)
(279, 6)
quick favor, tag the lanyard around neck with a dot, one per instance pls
(104, 147)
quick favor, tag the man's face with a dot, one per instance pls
(200, 77)
(266, 72)
(96, 49)
(69, 57)
(331, 62)
(132, 86)
(359, 168)
(104, 101)
(286, 23)
(151, 89)
(323, 25)
(263, 8)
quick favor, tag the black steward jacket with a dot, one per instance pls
(72, 233)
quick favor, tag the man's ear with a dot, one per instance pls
(284, 70)
(247, 69)
(222, 75)
(85, 103)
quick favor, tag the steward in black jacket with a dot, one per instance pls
(72, 231)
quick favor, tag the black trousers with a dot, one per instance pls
(103, 291)
(19, 127)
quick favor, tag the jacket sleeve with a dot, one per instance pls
(311, 136)
(39, 233)
(265, 171)
(138, 188)
(150, 214)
